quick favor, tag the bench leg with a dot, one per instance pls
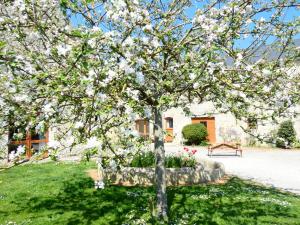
(209, 153)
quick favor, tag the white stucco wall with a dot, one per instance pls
(227, 127)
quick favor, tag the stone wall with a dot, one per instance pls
(205, 171)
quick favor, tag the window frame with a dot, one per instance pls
(28, 141)
(146, 127)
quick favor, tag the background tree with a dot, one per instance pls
(286, 135)
(96, 65)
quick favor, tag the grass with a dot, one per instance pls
(63, 194)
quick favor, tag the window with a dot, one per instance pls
(142, 126)
(33, 141)
(169, 122)
(169, 129)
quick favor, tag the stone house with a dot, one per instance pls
(221, 127)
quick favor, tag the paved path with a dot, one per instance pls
(278, 168)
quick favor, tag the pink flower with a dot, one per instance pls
(186, 149)
(194, 151)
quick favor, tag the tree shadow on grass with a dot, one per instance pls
(79, 203)
(236, 202)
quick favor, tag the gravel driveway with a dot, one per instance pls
(278, 168)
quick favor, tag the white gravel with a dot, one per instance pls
(278, 168)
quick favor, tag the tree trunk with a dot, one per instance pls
(160, 170)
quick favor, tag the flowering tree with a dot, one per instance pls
(93, 66)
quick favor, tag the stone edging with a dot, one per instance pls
(205, 172)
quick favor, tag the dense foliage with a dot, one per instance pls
(286, 135)
(195, 133)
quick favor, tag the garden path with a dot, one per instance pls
(272, 167)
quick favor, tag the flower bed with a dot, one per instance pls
(183, 170)
(184, 158)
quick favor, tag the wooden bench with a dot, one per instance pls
(225, 146)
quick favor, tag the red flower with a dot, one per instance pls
(186, 149)
(194, 151)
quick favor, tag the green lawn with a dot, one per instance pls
(63, 194)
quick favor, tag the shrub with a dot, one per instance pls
(286, 135)
(148, 160)
(204, 143)
(178, 162)
(296, 144)
(194, 133)
(143, 160)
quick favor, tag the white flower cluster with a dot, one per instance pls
(99, 184)
(93, 142)
(275, 201)
(14, 154)
(126, 12)
(53, 144)
(201, 196)
(63, 49)
(113, 165)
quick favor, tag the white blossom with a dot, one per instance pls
(21, 98)
(48, 108)
(148, 27)
(266, 72)
(124, 66)
(92, 42)
(63, 49)
(249, 8)
(128, 42)
(90, 91)
(192, 76)
(99, 184)
(20, 150)
(140, 62)
(113, 165)
(155, 43)
(140, 78)
(53, 144)
(196, 85)
(20, 4)
(78, 124)
(95, 29)
(93, 142)
(91, 73)
(11, 156)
